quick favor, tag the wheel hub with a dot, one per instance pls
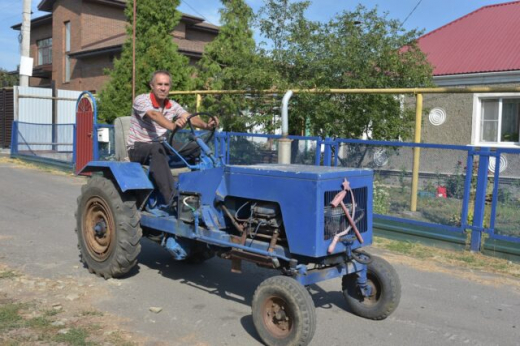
(374, 293)
(277, 317)
(98, 229)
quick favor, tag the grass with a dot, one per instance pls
(35, 165)
(15, 329)
(91, 313)
(9, 317)
(8, 274)
(74, 337)
(463, 259)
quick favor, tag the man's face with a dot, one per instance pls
(160, 86)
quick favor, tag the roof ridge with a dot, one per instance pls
(469, 14)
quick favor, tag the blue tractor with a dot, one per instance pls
(308, 222)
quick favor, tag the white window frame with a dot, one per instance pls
(41, 45)
(477, 117)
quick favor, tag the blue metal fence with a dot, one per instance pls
(44, 142)
(461, 188)
(458, 193)
(248, 148)
(473, 198)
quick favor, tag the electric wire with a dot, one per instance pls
(197, 12)
(413, 10)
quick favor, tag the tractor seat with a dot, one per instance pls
(121, 127)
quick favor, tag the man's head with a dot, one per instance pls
(160, 82)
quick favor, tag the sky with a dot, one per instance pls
(426, 15)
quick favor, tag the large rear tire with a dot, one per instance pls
(386, 291)
(108, 230)
(283, 312)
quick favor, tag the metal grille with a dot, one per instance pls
(335, 220)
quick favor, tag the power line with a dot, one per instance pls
(404, 21)
(197, 12)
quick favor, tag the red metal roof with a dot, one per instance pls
(486, 40)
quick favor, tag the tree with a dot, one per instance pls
(155, 50)
(6, 79)
(357, 49)
(230, 62)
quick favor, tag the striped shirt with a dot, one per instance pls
(144, 129)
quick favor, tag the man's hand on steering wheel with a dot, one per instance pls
(180, 122)
(212, 123)
(193, 120)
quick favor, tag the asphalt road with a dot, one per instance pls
(209, 305)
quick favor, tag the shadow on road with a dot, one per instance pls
(215, 277)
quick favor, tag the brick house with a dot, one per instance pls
(480, 49)
(80, 38)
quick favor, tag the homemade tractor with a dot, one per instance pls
(308, 222)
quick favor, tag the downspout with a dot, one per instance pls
(284, 144)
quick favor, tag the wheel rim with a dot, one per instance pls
(98, 229)
(277, 316)
(375, 294)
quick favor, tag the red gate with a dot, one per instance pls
(84, 133)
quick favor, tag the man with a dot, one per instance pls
(152, 115)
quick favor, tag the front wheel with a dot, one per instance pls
(283, 312)
(386, 291)
(107, 228)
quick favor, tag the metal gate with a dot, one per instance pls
(6, 117)
(85, 121)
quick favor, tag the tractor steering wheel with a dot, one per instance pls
(208, 133)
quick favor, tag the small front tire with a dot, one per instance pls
(386, 291)
(108, 230)
(283, 312)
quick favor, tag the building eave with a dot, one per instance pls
(191, 54)
(118, 48)
(97, 51)
(46, 19)
(502, 77)
(47, 5)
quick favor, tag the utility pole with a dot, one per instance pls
(26, 38)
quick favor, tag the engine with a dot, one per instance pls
(259, 219)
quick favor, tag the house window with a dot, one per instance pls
(44, 51)
(67, 51)
(497, 120)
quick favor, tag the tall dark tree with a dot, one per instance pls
(155, 50)
(7, 79)
(230, 62)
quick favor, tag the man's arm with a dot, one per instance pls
(159, 118)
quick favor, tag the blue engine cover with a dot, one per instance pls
(301, 191)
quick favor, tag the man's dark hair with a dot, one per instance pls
(160, 72)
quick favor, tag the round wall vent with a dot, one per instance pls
(493, 163)
(437, 116)
(380, 157)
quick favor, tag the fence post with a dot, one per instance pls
(327, 154)
(54, 116)
(467, 188)
(14, 139)
(74, 143)
(16, 104)
(416, 151)
(480, 200)
(317, 158)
